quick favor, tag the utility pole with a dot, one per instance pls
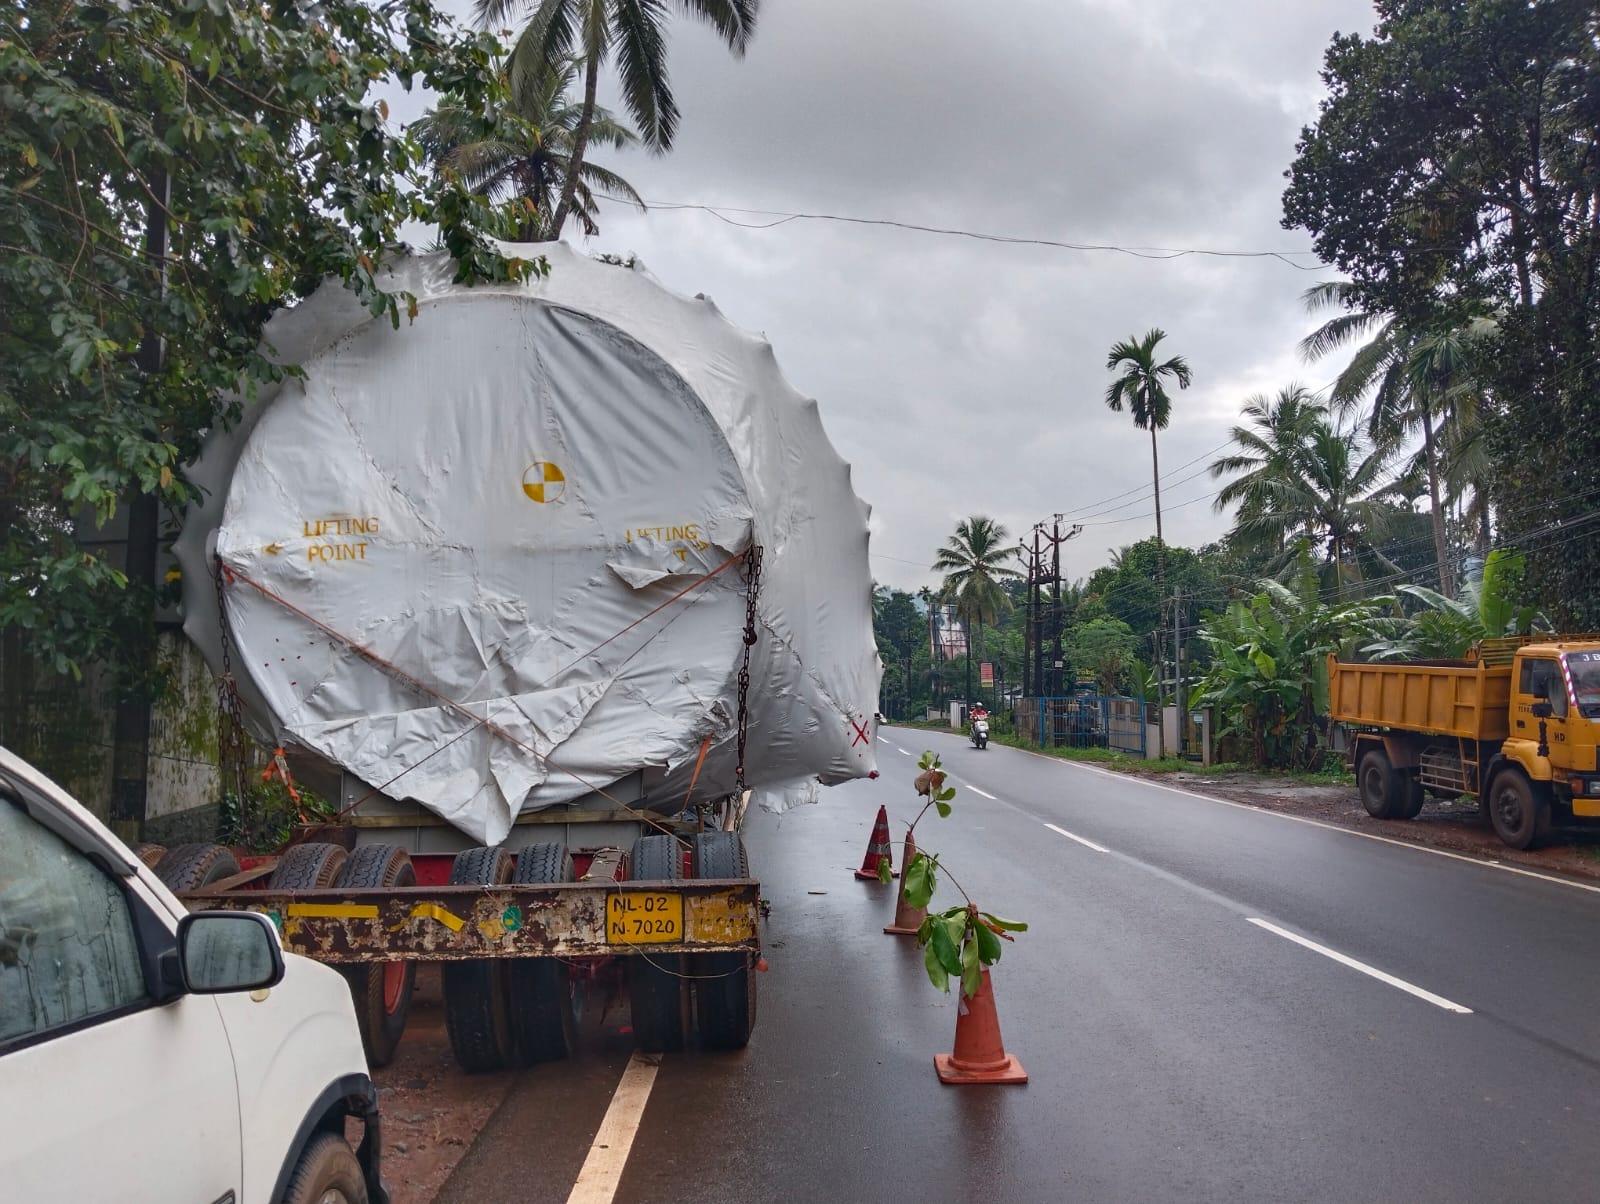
(1177, 668)
(1056, 539)
(1038, 613)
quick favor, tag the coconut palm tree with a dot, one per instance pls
(1268, 451)
(531, 154)
(974, 561)
(1334, 493)
(1420, 381)
(633, 33)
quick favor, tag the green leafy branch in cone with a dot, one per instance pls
(959, 941)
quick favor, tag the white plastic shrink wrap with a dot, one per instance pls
(450, 552)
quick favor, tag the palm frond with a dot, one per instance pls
(734, 20)
(641, 52)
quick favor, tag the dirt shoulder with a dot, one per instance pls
(1451, 826)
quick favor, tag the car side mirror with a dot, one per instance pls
(1542, 709)
(221, 952)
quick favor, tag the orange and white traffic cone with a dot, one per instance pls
(877, 849)
(980, 1056)
(907, 919)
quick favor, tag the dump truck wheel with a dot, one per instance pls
(655, 980)
(1376, 780)
(314, 865)
(544, 1022)
(381, 991)
(191, 866)
(1519, 812)
(476, 1003)
(1413, 797)
(724, 983)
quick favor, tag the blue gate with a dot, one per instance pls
(1086, 721)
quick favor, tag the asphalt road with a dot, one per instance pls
(1184, 1041)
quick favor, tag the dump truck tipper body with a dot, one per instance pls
(1516, 724)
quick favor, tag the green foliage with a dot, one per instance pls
(1106, 648)
(251, 127)
(959, 941)
(976, 561)
(266, 818)
(1446, 627)
(1268, 678)
(1451, 167)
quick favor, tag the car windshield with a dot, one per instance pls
(1583, 669)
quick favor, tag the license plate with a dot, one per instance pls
(643, 918)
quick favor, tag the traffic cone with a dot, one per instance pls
(980, 1056)
(907, 919)
(877, 849)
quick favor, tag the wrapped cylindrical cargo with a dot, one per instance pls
(493, 560)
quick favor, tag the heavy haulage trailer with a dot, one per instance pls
(551, 586)
(1516, 725)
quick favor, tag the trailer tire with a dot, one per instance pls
(725, 983)
(150, 854)
(476, 1002)
(191, 866)
(381, 991)
(1380, 792)
(327, 1171)
(314, 865)
(655, 980)
(544, 1022)
(1519, 810)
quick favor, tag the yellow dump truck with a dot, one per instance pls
(1516, 724)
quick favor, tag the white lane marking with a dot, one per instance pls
(1438, 1001)
(902, 750)
(885, 740)
(1098, 848)
(975, 790)
(1315, 823)
(602, 1169)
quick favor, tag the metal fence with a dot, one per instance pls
(1084, 721)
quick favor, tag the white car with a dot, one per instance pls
(147, 1054)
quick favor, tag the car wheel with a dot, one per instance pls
(476, 1003)
(327, 1173)
(1413, 796)
(381, 991)
(655, 980)
(725, 983)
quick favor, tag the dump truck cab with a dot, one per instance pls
(1554, 734)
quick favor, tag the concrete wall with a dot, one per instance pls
(64, 726)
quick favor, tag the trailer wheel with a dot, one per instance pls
(381, 990)
(1519, 811)
(191, 866)
(1380, 793)
(655, 980)
(544, 1022)
(150, 854)
(314, 865)
(476, 1007)
(725, 983)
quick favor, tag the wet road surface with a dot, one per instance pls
(1214, 1003)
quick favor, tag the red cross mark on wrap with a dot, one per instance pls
(861, 736)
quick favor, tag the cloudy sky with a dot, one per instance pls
(962, 376)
